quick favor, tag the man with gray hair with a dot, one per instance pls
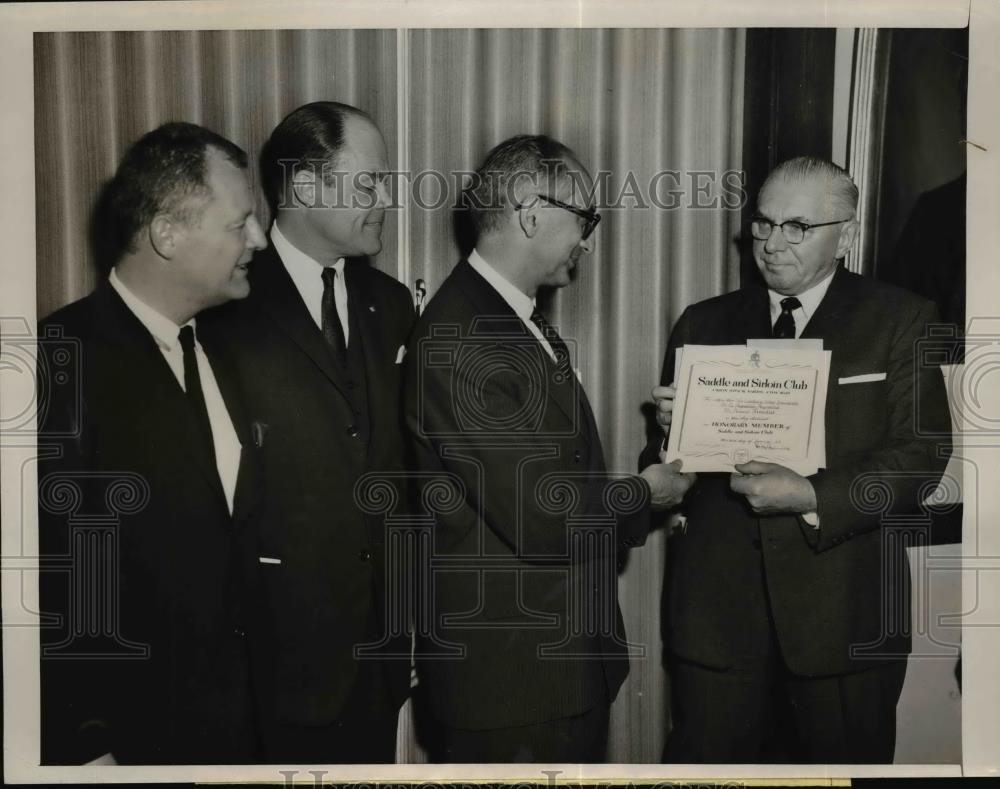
(526, 595)
(786, 603)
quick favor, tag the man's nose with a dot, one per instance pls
(255, 234)
(383, 197)
(776, 240)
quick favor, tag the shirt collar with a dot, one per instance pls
(809, 299)
(305, 271)
(163, 329)
(522, 304)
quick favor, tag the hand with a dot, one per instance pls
(667, 483)
(771, 489)
(663, 396)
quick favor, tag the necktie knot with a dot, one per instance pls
(784, 327)
(186, 337)
(192, 385)
(790, 304)
(555, 341)
(329, 276)
(543, 325)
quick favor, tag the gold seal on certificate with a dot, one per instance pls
(737, 403)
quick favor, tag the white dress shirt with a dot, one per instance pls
(165, 332)
(307, 276)
(522, 304)
(809, 300)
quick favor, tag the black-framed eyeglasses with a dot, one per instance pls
(793, 230)
(591, 219)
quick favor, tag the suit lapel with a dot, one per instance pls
(569, 397)
(275, 291)
(828, 324)
(828, 321)
(753, 319)
(120, 327)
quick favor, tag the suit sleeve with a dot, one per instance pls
(905, 468)
(74, 693)
(518, 480)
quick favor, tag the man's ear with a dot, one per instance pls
(527, 216)
(304, 189)
(164, 232)
(848, 232)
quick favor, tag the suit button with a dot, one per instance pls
(576, 456)
(352, 431)
(238, 632)
(365, 556)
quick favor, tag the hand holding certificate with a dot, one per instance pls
(735, 404)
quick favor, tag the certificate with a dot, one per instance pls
(737, 403)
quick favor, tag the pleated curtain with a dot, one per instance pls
(657, 112)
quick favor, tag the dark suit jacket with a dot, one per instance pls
(524, 624)
(133, 514)
(325, 595)
(847, 585)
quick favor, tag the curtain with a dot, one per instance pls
(96, 93)
(655, 115)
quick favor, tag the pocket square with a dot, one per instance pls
(269, 560)
(400, 354)
(258, 430)
(861, 379)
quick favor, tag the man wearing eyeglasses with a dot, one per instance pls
(786, 606)
(523, 646)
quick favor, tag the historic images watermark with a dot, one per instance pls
(432, 189)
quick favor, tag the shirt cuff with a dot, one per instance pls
(812, 518)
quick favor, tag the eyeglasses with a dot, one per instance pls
(792, 230)
(591, 219)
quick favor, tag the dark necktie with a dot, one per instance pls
(784, 327)
(333, 330)
(565, 374)
(192, 386)
(558, 346)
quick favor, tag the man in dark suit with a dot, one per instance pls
(786, 603)
(523, 648)
(147, 477)
(319, 345)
